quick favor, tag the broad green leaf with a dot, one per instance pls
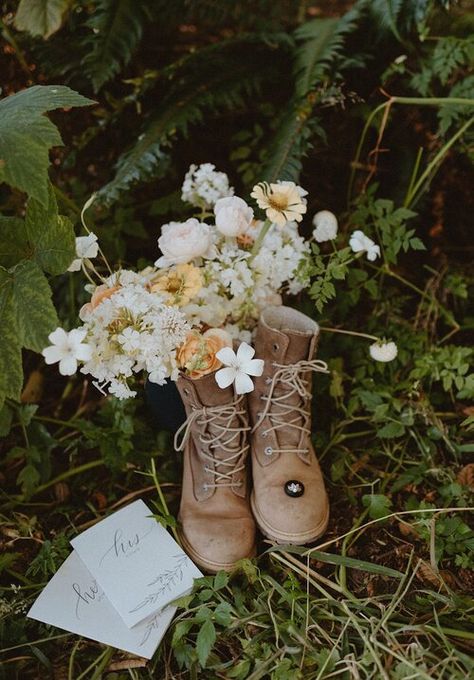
(378, 505)
(28, 479)
(44, 236)
(205, 641)
(11, 374)
(26, 136)
(40, 17)
(50, 235)
(12, 241)
(36, 315)
(6, 417)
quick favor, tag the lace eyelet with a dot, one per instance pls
(268, 451)
(263, 434)
(275, 347)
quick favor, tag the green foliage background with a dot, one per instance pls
(369, 106)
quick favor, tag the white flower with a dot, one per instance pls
(282, 202)
(86, 248)
(326, 226)
(129, 339)
(204, 185)
(68, 349)
(181, 242)
(238, 368)
(233, 216)
(383, 351)
(359, 242)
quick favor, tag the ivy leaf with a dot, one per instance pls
(205, 641)
(24, 127)
(378, 504)
(41, 17)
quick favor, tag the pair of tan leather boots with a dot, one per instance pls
(219, 512)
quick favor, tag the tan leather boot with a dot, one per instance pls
(289, 501)
(217, 527)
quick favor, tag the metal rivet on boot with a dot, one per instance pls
(294, 488)
(268, 451)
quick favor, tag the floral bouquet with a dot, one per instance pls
(216, 272)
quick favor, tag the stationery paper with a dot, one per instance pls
(135, 561)
(74, 601)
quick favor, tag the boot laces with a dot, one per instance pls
(282, 414)
(216, 431)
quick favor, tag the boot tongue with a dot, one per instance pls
(298, 347)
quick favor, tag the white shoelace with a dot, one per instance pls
(228, 439)
(291, 376)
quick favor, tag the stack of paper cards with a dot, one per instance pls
(117, 584)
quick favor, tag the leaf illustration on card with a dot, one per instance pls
(165, 582)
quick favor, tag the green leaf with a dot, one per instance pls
(44, 236)
(378, 505)
(391, 430)
(222, 614)
(26, 136)
(51, 236)
(36, 315)
(11, 373)
(6, 417)
(221, 579)
(41, 17)
(117, 27)
(7, 560)
(28, 479)
(205, 641)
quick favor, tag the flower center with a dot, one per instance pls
(277, 202)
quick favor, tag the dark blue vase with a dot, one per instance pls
(165, 405)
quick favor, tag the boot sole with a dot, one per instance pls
(282, 537)
(209, 566)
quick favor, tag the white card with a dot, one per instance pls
(136, 562)
(74, 601)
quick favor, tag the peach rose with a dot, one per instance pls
(100, 294)
(197, 355)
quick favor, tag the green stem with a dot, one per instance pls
(328, 329)
(69, 473)
(162, 498)
(259, 240)
(408, 101)
(436, 160)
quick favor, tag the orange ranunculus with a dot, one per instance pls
(197, 355)
(100, 294)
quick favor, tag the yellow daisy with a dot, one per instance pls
(181, 283)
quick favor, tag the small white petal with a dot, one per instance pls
(68, 366)
(225, 377)
(58, 336)
(243, 383)
(253, 367)
(75, 265)
(51, 354)
(383, 351)
(245, 353)
(84, 352)
(227, 356)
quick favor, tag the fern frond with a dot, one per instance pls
(118, 28)
(320, 45)
(216, 78)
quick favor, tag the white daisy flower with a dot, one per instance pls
(282, 202)
(87, 247)
(359, 242)
(325, 223)
(238, 368)
(67, 349)
(383, 351)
